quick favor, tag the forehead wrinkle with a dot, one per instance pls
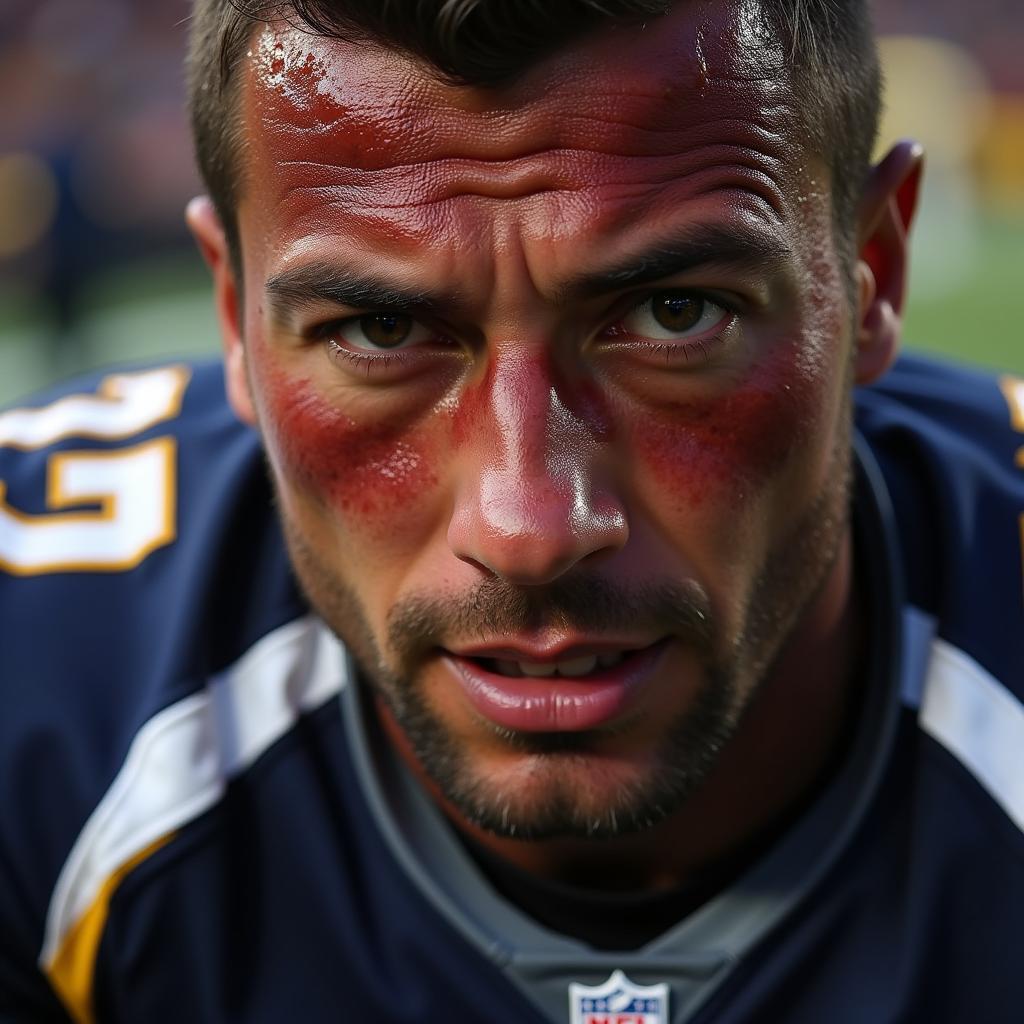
(639, 154)
(539, 206)
(485, 125)
(626, 76)
(763, 143)
(696, 44)
(646, 113)
(569, 170)
(555, 137)
(470, 223)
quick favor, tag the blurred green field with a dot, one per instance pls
(979, 318)
(164, 310)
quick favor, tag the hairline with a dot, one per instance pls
(821, 140)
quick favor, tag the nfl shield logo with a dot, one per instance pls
(618, 1001)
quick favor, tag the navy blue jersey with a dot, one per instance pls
(199, 820)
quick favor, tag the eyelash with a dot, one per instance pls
(684, 349)
(365, 360)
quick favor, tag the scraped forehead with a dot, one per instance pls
(377, 107)
(628, 107)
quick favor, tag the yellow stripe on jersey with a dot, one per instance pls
(72, 970)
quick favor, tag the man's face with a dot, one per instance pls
(553, 381)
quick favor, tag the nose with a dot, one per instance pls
(529, 505)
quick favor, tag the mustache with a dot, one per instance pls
(585, 603)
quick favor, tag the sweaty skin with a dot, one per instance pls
(538, 428)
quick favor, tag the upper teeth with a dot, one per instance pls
(581, 666)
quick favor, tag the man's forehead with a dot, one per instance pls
(633, 129)
(377, 104)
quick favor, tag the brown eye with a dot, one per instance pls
(377, 332)
(386, 330)
(674, 315)
(677, 311)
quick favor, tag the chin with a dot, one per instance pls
(551, 785)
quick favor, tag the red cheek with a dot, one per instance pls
(719, 445)
(365, 469)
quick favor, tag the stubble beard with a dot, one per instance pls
(563, 785)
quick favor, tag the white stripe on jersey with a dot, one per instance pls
(179, 763)
(979, 722)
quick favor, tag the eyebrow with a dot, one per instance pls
(738, 247)
(323, 281)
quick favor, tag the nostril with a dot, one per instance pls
(476, 564)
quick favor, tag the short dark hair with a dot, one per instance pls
(484, 42)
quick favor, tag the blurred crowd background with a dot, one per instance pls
(96, 166)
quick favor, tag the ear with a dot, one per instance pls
(212, 241)
(883, 225)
